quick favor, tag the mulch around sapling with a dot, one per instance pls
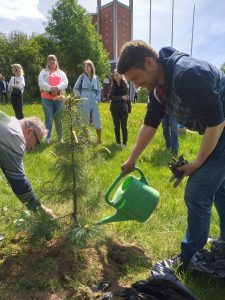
(55, 271)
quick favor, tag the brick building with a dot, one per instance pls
(114, 22)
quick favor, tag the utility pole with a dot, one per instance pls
(192, 34)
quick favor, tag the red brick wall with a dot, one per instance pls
(106, 28)
(94, 20)
(124, 26)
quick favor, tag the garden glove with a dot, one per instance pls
(177, 174)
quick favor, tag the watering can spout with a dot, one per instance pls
(115, 218)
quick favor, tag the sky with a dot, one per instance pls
(209, 23)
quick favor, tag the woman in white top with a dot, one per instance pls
(52, 83)
(16, 87)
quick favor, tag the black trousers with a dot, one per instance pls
(17, 104)
(119, 113)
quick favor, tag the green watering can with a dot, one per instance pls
(134, 199)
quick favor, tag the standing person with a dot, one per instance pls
(119, 96)
(135, 95)
(1, 87)
(53, 82)
(16, 137)
(88, 87)
(170, 132)
(194, 92)
(16, 87)
(4, 90)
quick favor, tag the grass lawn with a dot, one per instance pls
(125, 251)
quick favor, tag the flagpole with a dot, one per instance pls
(172, 23)
(150, 22)
(192, 34)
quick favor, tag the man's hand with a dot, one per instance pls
(127, 167)
(48, 212)
(125, 98)
(189, 168)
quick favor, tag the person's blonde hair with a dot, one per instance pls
(90, 63)
(57, 64)
(18, 69)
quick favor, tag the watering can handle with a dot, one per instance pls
(143, 179)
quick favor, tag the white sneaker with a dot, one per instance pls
(123, 146)
(118, 145)
(48, 141)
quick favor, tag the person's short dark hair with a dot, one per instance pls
(133, 55)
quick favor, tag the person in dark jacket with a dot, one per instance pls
(119, 96)
(194, 92)
(4, 90)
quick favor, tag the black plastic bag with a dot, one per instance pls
(162, 285)
(210, 262)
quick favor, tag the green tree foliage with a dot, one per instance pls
(18, 48)
(70, 36)
(69, 25)
(222, 68)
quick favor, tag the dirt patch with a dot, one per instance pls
(54, 271)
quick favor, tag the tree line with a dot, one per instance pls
(69, 34)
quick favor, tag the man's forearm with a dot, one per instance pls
(22, 189)
(209, 142)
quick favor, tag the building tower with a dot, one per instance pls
(114, 22)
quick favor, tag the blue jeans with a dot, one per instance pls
(53, 109)
(204, 187)
(170, 132)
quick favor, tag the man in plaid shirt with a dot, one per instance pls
(193, 91)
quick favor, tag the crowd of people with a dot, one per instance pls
(181, 89)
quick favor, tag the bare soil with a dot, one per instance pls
(54, 271)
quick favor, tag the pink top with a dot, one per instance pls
(54, 79)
